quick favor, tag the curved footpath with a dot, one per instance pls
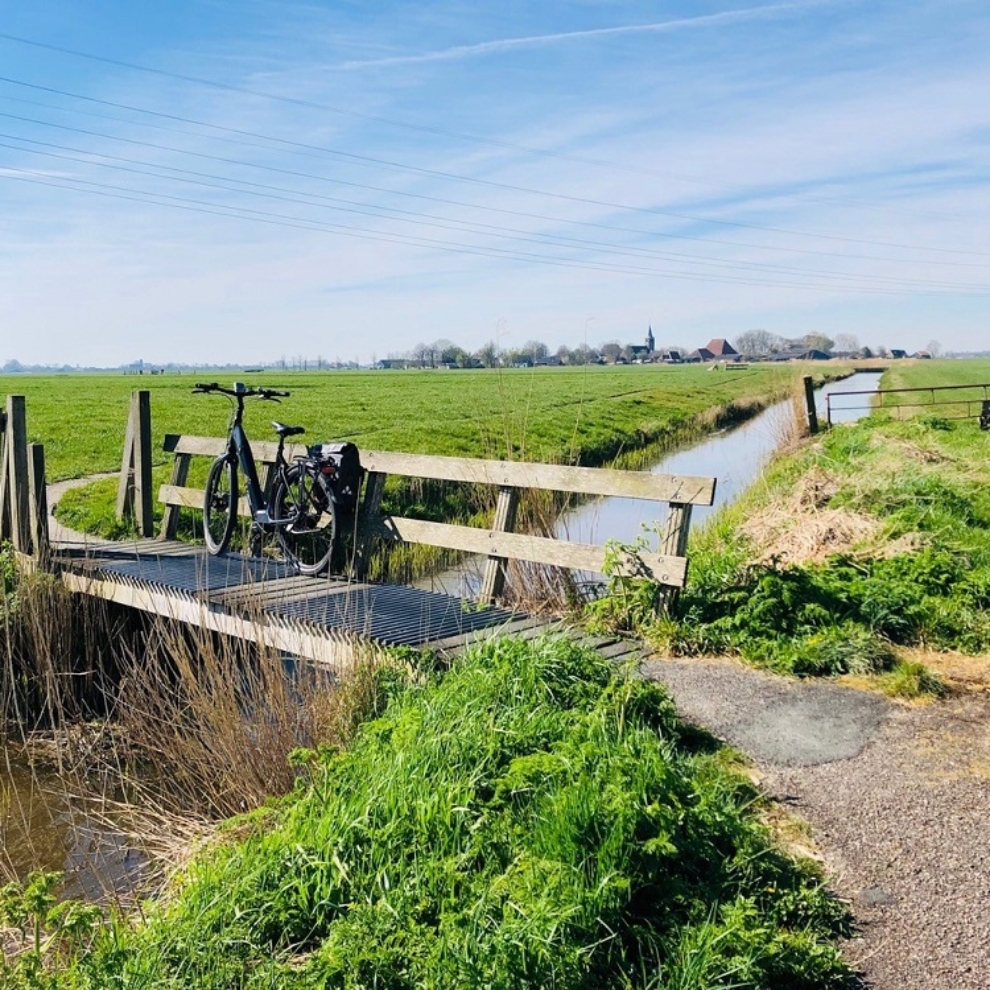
(897, 799)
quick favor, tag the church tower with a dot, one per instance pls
(650, 340)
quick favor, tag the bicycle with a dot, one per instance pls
(301, 507)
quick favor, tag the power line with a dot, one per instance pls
(474, 179)
(279, 220)
(213, 181)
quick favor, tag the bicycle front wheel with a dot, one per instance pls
(220, 505)
(309, 530)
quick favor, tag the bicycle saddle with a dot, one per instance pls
(287, 431)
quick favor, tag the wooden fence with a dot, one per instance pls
(23, 503)
(499, 543)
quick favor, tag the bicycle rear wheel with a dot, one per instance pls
(307, 538)
(220, 505)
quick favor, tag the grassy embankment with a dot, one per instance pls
(532, 818)
(558, 415)
(870, 538)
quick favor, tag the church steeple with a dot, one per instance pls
(650, 340)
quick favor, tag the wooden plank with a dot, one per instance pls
(264, 451)
(170, 517)
(4, 478)
(192, 498)
(674, 540)
(125, 486)
(516, 474)
(17, 474)
(143, 493)
(332, 648)
(369, 516)
(38, 498)
(665, 569)
(505, 522)
(579, 480)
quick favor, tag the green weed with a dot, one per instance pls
(534, 818)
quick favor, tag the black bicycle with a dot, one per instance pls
(301, 506)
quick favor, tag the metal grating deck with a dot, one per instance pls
(198, 572)
(394, 614)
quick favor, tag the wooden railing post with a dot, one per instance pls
(16, 497)
(809, 400)
(505, 520)
(370, 509)
(38, 498)
(134, 492)
(673, 541)
(170, 515)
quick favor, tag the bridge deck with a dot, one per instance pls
(324, 619)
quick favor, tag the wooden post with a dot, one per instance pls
(505, 521)
(4, 486)
(134, 492)
(16, 471)
(170, 516)
(674, 540)
(809, 399)
(370, 509)
(38, 500)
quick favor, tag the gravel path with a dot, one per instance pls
(898, 800)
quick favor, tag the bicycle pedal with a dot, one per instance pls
(262, 518)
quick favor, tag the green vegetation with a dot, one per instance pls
(586, 415)
(555, 414)
(873, 536)
(533, 818)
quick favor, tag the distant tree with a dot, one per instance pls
(421, 355)
(846, 343)
(535, 350)
(611, 350)
(757, 343)
(882, 352)
(934, 348)
(864, 352)
(818, 342)
(564, 354)
(583, 354)
(487, 354)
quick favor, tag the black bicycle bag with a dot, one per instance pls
(340, 465)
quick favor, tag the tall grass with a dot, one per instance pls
(156, 729)
(533, 819)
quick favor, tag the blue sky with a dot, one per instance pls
(210, 180)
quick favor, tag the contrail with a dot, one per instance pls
(534, 41)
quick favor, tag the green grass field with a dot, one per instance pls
(552, 414)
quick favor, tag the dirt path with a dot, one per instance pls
(897, 797)
(57, 532)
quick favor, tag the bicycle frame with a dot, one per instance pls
(239, 451)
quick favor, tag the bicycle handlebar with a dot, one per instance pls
(242, 392)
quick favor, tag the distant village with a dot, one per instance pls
(752, 345)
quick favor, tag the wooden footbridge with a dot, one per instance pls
(327, 619)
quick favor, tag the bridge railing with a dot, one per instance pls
(499, 543)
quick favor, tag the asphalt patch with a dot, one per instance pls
(776, 720)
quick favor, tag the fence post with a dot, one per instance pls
(505, 521)
(38, 500)
(370, 509)
(809, 399)
(673, 541)
(16, 495)
(134, 492)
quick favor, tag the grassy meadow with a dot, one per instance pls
(586, 414)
